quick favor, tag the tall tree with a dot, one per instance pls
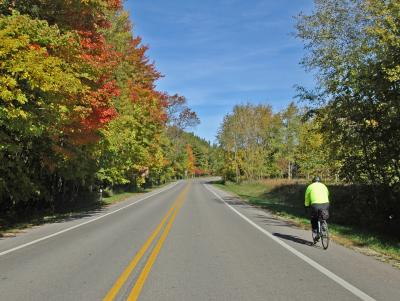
(291, 124)
(354, 47)
(78, 103)
(248, 136)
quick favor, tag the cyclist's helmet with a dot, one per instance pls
(316, 179)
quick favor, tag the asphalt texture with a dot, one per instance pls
(212, 246)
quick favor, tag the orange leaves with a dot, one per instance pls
(191, 162)
(200, 172)
(114, 4)
(80, 98)
(97, 53)
(102, 96)
(102, 60)
(102, 111)
(98, 117)
(152, 102)
(145, 73)
(34, 46)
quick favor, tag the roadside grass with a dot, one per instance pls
(11, 226)
(119, 197)
(275, 196)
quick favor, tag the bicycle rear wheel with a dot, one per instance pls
(324, 234)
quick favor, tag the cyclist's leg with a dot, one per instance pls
(314, 219)
(324, 211)
(324, 215)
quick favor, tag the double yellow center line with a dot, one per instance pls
(134, 294)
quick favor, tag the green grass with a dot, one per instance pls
(120, 197)
(273, 196)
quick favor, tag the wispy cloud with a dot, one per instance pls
(221, 52)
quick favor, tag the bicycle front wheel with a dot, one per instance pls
(324, 234)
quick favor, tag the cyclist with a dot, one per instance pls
(317, 197)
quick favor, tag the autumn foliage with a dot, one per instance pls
(79, 107)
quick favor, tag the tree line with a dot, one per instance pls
(347, 128)
(79, 108)
(257, 143)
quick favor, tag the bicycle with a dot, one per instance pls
(322, 232)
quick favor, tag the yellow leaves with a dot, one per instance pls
(40, 82)
(22, 114)
(386, 25)
(16, 113)
(8, 81)
(393, 74)
(5, 94)
(10, 92)
(371, 123)
(21, 98)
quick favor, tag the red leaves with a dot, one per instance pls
(145, 72)
(114, 4)
(102, 60)
(40, 49)
(101, 110)
(97, 53)
(99, 117)
(200, 172)
(34, 46)
(142, 84)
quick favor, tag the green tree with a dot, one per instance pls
(248, 136)
(311, 153)
(291, 125)
(40, 91)
(354, 47)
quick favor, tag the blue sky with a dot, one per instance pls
(223, 52)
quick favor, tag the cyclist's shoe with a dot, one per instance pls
(315, 237)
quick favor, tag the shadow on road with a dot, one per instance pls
(294, 238)
(233, 201)
(9, 231)
(273, 221)
(77, 215)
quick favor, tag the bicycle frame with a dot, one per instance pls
(323, 232)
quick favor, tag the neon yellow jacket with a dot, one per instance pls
(316, 193)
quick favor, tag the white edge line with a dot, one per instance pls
(84, 223)
(331, 275)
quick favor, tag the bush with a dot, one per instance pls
(107, 192)
(369, 207)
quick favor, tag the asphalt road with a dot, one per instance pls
(187, 241)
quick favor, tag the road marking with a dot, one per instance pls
(126, 273)
(84, 223)
(134, 295)
(314, 264)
